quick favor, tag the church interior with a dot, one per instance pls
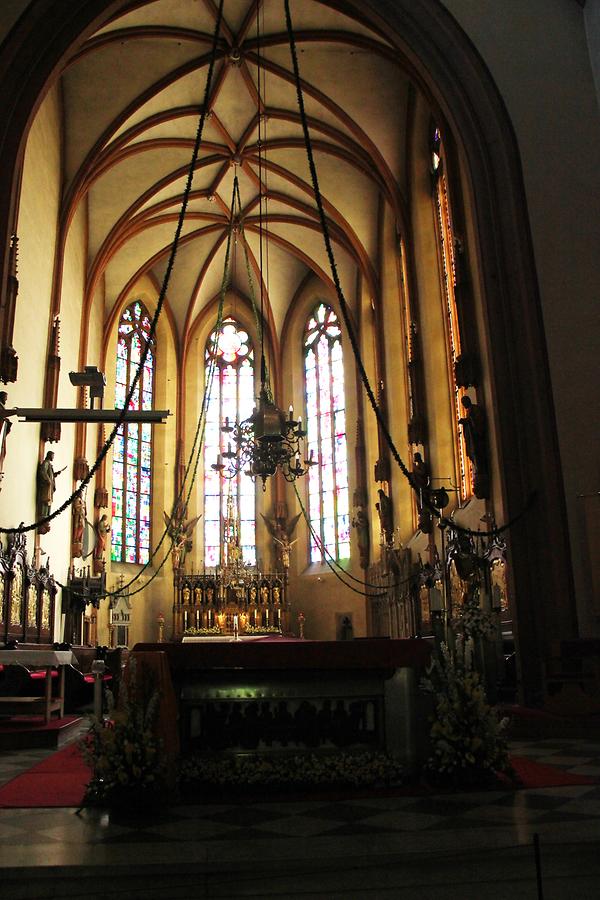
(299, 325)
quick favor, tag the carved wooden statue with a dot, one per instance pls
(78, 514)
(281, 530)
(386, 517)
(180, 531)
(474, 427)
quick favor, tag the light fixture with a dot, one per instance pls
(267, 441)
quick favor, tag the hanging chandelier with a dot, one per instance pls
(265, 442)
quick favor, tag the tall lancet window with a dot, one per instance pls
(447, 246)
(231, 398)
(132, 449)
(326, 426)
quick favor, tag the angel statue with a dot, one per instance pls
(281, 531)
(180, 531)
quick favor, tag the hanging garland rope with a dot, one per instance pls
(198, 442)
(161, 298)
(344, 308)
(331, 561)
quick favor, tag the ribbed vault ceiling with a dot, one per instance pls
(132, 95)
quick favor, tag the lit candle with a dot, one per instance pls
(291, 412)
(299, 423)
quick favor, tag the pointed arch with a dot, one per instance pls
(132, 449)
(324, 393)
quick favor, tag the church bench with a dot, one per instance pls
(25, 662)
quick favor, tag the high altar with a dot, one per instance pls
(232, 599)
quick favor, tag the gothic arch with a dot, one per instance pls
(450, 71)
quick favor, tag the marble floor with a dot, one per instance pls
(464, 845)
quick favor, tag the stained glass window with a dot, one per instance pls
(231, 398)
(446, 239)
(328, 502)
(132, 448)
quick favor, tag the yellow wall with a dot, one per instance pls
(37, 229)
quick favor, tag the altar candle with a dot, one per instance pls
(235, 622)
(278, 614)
(267, 617)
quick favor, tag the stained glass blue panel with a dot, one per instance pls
(130, 531)
(145, 482)
(146, 455)
(131, 508)
(326, 428)
(231, 396)
(134, 331)
(132, 479)
(117, 502)
(118, 448)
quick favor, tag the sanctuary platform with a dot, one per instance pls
(278, 694)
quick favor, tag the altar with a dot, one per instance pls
(287, 695)
(235, 598)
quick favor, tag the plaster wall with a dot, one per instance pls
(37, 229)
(547, 85)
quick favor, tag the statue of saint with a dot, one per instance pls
(5, 427)
(422, 480)
(474, 426)
(281, 531)
(78, 513)
(360, 521)
(180, 531)
(102, 528)
(386, 518)
(46, 485)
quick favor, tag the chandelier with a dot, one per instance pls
(265, 442)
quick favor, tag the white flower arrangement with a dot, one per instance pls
(262, 629)
(123, 751)
(299, 771)
(468, 743)
(477, 622)
(199, 632)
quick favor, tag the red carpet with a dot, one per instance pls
(59, 780)
(533, 774)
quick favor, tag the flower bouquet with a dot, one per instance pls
(468, 744)
(124, 752)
